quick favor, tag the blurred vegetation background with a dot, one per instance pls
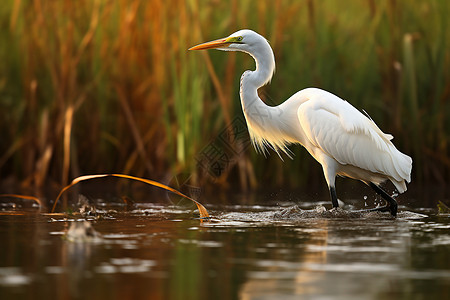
(98, 86)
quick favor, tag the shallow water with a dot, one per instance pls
(256, 251)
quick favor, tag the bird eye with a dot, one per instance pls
(239, 38)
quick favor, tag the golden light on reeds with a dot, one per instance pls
(102, 86)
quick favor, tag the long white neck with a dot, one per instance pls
(264, 122)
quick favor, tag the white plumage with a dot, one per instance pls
(343, 140)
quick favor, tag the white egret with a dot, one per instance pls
(343, 140)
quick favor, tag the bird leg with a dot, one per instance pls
(333, 195)
(391, 203)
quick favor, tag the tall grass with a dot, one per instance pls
(109, 86)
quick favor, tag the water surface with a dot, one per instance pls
(256, 251)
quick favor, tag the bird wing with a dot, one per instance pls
(345, 134)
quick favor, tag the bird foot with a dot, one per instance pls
(389, 207)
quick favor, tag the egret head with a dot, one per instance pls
(244, 40)
(252, 43)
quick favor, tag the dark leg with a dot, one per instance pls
(392, 204)
(334, 199)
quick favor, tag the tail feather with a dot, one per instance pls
(399, 185)
(402, 164)
(403, 167)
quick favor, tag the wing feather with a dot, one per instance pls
(345, 134)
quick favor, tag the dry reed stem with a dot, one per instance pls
(134, 128)
(68, 121)
(23, 197)
(202, 210)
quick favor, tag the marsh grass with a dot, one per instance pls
(109, 86)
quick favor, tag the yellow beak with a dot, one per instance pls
(220, 43)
